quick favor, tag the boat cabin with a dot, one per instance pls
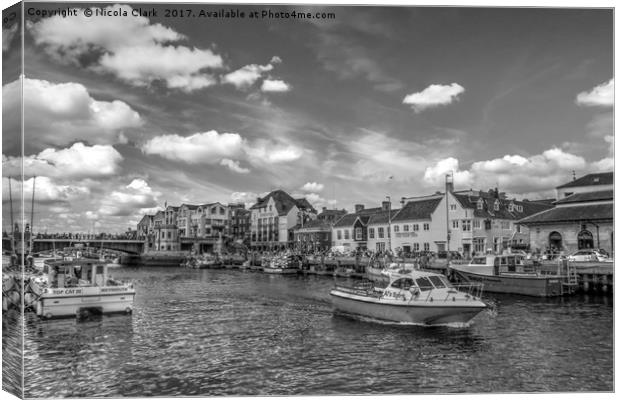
(76, 274)
(502, 264)
(423, 283)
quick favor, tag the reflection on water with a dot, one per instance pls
(203, 332)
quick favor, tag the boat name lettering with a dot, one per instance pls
(67, 291)
(115, 289)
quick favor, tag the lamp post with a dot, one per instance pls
(389, 222)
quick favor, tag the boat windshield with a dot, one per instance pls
(479, 260)
(402, 283)
(424, 284)
(437, 282)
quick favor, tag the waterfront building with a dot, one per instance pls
(351, 230)
(585, 184)
(239, 223)
(145, 226)
(316, 235)
(185, 223)
(418, 226)
(166, 237)
(274, 217)
(582, 219)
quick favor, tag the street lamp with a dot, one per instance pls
(389, 222)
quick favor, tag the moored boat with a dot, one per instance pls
(411, 296)
(509, 273)
(79, 287)
(284, 264)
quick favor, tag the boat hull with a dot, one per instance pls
(424, 313)
(528, 285)
(63, 303)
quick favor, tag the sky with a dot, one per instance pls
(125, 114)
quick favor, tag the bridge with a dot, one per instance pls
(127, 246)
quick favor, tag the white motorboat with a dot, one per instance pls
(411, 296)
(509, 273)
(284, 264)
(81, 287)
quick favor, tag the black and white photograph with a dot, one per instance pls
(252, 199)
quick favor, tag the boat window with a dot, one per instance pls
(436, 282)
(479, 260)
(402, 283)
(424, 284)
(445, 281)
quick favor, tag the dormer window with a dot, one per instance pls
(511, 207)
(480, 203)
(520, 208)
(496, 205)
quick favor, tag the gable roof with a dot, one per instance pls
(590, 212)
(315, 225)
(364, 216)
(383, 217)
(189, 206)
(601, 195)
(601, 178)
(284, 202)
(488, 208)
(417, 209)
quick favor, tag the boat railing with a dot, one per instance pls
(473, 289)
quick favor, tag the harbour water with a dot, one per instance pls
(230, 332)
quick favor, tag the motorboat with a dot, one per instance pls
(411, 296)
(376, 272)
(80, 287)
(510, 273)
(284, 264)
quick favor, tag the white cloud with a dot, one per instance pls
(127, 48)
(247, 198)
(200, 148)
(214, 148)
(60, 113)
(434, 96)
(275, 85)
(512, 173)
(312, 187)
(600, 96)
(234, 166)
(47, 191)
(246, 76)
(129, 200)
(76, 162)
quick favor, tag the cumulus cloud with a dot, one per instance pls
(275, 85)
(127, 47)
(312, 187)
(60, 113)
(600, 96)
(214, 148)
(76, 162)
(513, 173)
(130, 200)
(434, 96)
(234, 166)
(47, 191)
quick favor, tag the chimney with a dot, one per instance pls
(358, 208)
(449, 183)
(324, 209)
(258, 199)
(402, 201)
(385, 205)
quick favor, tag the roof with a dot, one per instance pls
(418, 209)
(190, 206)
(590, 212)
(600, 195)
(383, 217)
(332, 212)
(284, 202)
(315, 225)
(601, 178)
(364, 216)
(488, 208)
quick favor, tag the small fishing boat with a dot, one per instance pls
(509, 273)
(284, 264)
(78, 288)
(411, 296)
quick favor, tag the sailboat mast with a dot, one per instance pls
(11, 205)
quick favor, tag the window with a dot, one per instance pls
(511, 207)
(452, 207)
(427, 227)
(406, 228)
(339, 234)
(380, 246)
(505, 224)
(424, 284)
(496, 205)
(455, 223)
(479, 245)
(346, 234)
(396, 228)
(402, 283)
(416, 227)
(416, 247)
(480, 204)
(437, 282)
(358, 233)
(222, 211)
(466, 224)
(427, 247)
(380, 233)
(371, 233)
(476, 224)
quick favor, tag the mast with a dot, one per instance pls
(12, 222)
